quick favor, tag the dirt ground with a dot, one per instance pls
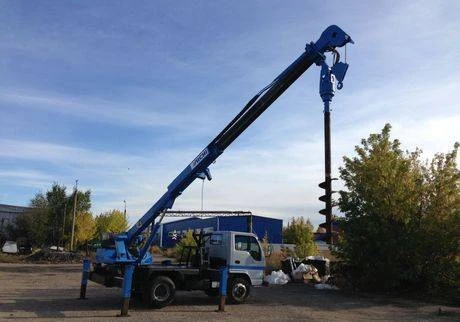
(31, 292)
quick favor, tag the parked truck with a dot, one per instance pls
(124, 259)
(197, 269)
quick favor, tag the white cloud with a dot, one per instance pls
(61, 154)
(25, 177)
(153, 111)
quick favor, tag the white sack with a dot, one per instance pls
(277, 277)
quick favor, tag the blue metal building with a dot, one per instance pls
(169, 233)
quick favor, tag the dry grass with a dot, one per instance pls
(10, 258)
(169, 252)
(273, 261)
(155, 250)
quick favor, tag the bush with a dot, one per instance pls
(402, 218)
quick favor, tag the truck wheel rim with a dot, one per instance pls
(239, 290)
(161, 293)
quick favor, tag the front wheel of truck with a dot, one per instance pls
(238, 290)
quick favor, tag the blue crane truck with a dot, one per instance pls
(124, 259)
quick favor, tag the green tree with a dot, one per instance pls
(39, 201)
(50, 219)
(300, 232)
(31, 225)
(83, 206)
(54, 205)
(113, 221)
(437, 224)
(85, 228)
(401, 222)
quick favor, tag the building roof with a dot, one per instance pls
(13, 209)
(267, 217)
(220, 217)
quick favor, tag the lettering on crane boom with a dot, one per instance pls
(203, 154)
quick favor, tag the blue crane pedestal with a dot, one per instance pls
(84, 278)
(126, 289)
(223, 288)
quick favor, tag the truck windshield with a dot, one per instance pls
(248, 244)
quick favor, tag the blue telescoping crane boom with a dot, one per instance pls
(129, 247)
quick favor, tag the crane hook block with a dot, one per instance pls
(339, 70)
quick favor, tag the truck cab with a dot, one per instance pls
(241, 251)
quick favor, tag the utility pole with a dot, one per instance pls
(74, 214)
(63, 223)
(124, 213)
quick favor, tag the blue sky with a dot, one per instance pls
(123, 95)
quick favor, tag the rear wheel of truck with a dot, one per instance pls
(238, 290)
(161, 292)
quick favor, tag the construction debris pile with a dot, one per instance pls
(312, 269)
(306, 273)
(54, 257)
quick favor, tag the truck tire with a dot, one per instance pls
(161, 292)
(238, 290)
